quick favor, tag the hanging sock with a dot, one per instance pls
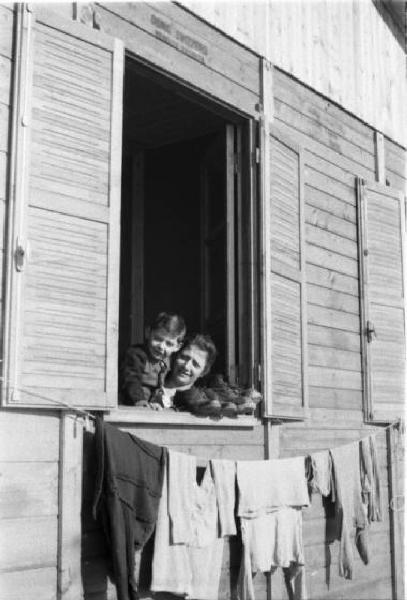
(321, 474)
(370, 481)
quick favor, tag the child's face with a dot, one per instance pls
(161, 344)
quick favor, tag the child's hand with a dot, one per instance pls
(155, 406)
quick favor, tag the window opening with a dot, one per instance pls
(178, 243)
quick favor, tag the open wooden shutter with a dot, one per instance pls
(382, 233)
(62, 295)
(284, 300)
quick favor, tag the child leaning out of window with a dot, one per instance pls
(146, 365)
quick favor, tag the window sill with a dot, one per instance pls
(164, 417)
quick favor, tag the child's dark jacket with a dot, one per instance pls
(141, 375)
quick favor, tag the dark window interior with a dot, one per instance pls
(173, 235)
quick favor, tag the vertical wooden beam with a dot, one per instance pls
(264, 222)
(363, 294)
(230, 252)
(395, 514)
(251, 248)
(69, 583)
(380, 165)
(115, 187)
(137, 249)
(303, 286)
(242, 231)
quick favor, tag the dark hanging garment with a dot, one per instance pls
(128, 488)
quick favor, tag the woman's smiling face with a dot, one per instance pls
(189, 365)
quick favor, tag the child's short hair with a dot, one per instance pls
(172, 323)
(203, 342)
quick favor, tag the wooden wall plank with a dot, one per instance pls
(201, 437)
(28, 489)
(28, 437)
(335, 399)
(333, 337)
(331, 241)
(28, 543)
(329, 298)
(25, 585)
(334, 358)
(332, 261)
(332, 280)
(320, 209)
(335, 378)
(335, 319)
(318, 179)
(69, 510)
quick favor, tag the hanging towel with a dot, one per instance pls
(190, 571)
(369, 471)
(321, 473)
(349, 509)
(265, 484)
(224, 475)
(128, 488)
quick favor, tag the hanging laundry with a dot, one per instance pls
(370, 481)
(270, 541)
(192, 566)
(128, 488)
(321, 473)
(266, 484)
(224, 475)
(349, 509)
(271, 496)
(181, 496)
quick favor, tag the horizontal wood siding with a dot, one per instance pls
(337, 148)
(29, 454)
(343, 50)
(205, 443)
(323, 581)
(169, 38)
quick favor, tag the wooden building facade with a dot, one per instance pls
(191, 155)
